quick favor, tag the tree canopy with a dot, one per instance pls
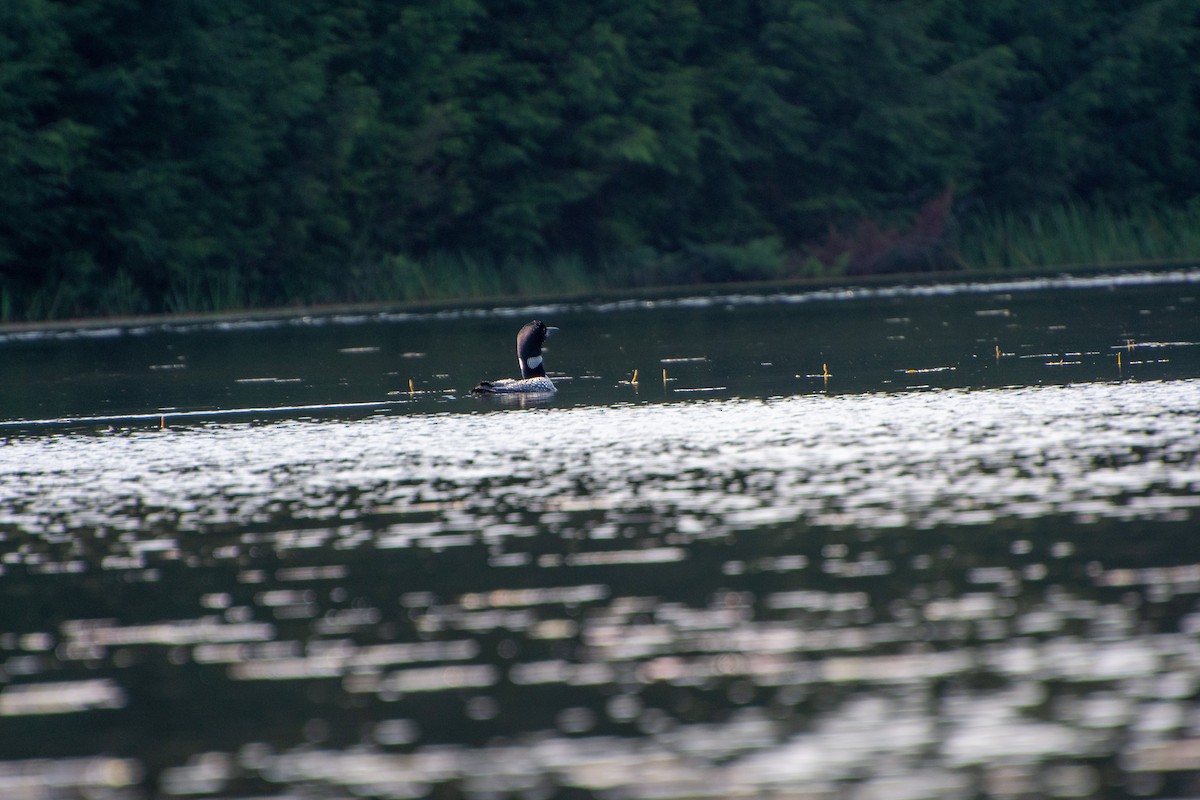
(170, 154)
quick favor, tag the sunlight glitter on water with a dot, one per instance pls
(1095, 451)
(922, 592)
(640, 489)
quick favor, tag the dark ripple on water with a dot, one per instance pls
(947, 593)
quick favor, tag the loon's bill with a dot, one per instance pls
(533, 378)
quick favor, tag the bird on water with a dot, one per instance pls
(533, 378)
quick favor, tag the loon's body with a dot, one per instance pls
(533, 378)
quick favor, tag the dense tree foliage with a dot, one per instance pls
(180, 154)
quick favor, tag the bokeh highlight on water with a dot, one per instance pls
(931, 541)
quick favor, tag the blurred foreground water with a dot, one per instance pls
(887, 543)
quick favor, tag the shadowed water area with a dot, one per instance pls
(898, 542)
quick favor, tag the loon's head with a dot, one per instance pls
(529, 348)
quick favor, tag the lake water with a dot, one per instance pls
(892, 542)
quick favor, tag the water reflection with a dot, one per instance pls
(843, 341)
(914, 592)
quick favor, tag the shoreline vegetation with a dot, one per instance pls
(1064, 240)
(599, 294)
(191, 157)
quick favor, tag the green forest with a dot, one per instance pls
(191, 155)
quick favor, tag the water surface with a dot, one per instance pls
(902, 542)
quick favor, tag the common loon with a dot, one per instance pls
(533, 378)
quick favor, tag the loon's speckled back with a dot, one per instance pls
(533, 378)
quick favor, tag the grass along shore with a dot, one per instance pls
(1073, 235)
(1064, 238)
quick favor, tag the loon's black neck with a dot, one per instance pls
(529, 348)
(532, 367)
